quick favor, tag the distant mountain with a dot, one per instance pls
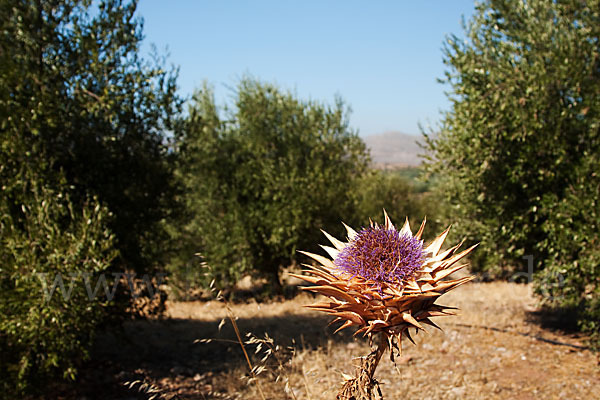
(394, 149)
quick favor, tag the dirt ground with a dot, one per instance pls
(496, 348)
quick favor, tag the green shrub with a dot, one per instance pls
(43, 336)
(571, 277)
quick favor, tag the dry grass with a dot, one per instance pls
(468, 361)
(493, 349)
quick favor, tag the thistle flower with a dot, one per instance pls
(384, 280)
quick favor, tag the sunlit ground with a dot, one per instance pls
(495, 348)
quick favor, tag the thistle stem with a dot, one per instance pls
(363, 386)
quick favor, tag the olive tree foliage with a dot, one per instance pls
(262, 176)
(85, 180)
(518, 153)
(77, 99)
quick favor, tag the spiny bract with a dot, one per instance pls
(384, 280)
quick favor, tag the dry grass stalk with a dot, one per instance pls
(241, 342)
(271, 350)
(219, 297)
(276, 352)
(150, 390)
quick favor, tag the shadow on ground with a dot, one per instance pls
(168, 350)
(563, 320)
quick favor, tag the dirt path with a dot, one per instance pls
(494, 349)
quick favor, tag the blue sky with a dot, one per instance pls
(381, 57)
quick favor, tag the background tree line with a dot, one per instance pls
(102, 170)
(262, 175)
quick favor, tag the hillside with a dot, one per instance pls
(394, 149)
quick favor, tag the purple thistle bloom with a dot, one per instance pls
(382, 256)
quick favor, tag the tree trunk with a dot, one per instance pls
(275, 281)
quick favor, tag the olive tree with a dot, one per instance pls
(518, 153)
(262, 175)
